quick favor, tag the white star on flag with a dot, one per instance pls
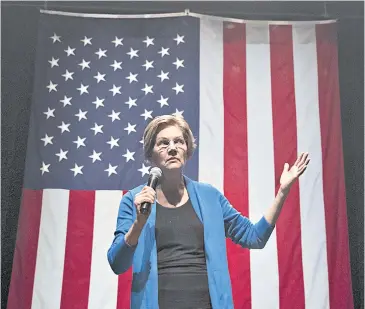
(115, 90)
(98, 102)
(49, 113)
(144, 170)
(111, 170)
(68, 75)
(164, 51)
(47, 140)
(100, 77)
(77, 169)
(113, 142)
(178, 88)
(117, 41)
(147, 89)
(163, 76)
(132, 77)
(129, 155)
(179, 113)
(54, 62)
(101, 53)
(116, 65)
(86, 41)
(44, 168)
(95, 156)
(163, 101)
(84, 64)
(147, 114)
(133, 53)
(149, 41)
(131, 102)
(62, 155)
(130, 128)
(70, 51)
(56, 38)
(80, 142)
(97, 128)
(64, 127)
(83, 89)
(148, 65)
(114, 115)
(52, 86)
(81, 114)
(66, 101)
(179, 39)
(178, 63)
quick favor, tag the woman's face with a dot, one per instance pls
(170, 149)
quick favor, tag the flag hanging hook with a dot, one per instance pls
(325, 13)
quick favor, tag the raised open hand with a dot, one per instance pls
(290, 175)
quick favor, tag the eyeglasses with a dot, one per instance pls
(164, 143)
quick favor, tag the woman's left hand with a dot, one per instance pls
(290, 175)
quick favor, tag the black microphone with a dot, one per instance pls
(155, 175)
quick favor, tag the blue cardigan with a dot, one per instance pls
(220, 220)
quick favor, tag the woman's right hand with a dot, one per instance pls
(148, 195)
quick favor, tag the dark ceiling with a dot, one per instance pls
(276, 10)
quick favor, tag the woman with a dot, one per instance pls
(178, 250)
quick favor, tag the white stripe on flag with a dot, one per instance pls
(51, 249)
(261, 172)
(211, 135)
(103, 282)
(314, 253)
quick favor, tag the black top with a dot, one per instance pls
(182, 272)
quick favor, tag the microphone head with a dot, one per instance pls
(156, 171)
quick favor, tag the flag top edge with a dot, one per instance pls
(113, 16)
(262, 22)
(187, 13)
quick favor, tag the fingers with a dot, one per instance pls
(303, 167)
(286, 167)
(302, 159)
(149, 198)
(147, 194)
(298, 159)
(301, 171)
(147, 190)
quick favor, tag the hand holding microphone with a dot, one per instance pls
(143, 201)
(147, 196)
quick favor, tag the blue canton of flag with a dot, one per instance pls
(98, 83)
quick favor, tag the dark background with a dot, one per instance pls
(19, 21)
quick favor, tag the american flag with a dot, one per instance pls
(255, 93)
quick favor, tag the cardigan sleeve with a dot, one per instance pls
(241, 230)
(120, 254)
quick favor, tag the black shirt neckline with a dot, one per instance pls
(174, 208)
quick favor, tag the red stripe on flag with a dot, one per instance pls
(124, 290)
(235, 153)
(339, 274)
(25, 253)
(79, 238)
(124, 287)
(291, 284)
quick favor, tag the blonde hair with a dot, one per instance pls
(161, 122)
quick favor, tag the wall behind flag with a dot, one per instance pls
(19, 40)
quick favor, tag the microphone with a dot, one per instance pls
(155, 175)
